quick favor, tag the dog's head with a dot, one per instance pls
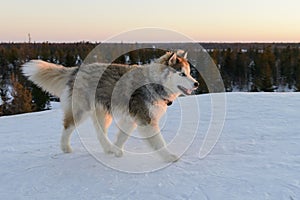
(176, 73)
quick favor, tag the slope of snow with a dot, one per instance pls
(256, 157)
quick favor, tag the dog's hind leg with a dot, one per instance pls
(69, 126)
(65, 139)
(126, 126)
(153, 136)
(102, 121)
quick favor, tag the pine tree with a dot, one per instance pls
(227, 69)
(297, 72)
(266, 60)
(215, 55)
(40, 99)
(22, 99)
(240, 73)
(3, 88)
(286, 67)
(4, 100)
(70, 60)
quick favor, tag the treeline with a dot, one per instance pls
(270, 69)
(17, 94)
(244, 67)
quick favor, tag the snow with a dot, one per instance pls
(256, 157)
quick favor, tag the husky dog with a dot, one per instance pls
(137, 94)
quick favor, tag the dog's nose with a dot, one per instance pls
(196, 84)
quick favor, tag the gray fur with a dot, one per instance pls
(107, 77)
(138, 95)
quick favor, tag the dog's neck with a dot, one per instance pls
(171, 98)
(158, 93)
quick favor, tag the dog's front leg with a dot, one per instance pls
(126, 127)
(153, 135)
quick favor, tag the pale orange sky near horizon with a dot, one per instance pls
(94, 20)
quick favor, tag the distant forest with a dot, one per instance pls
(251, 67)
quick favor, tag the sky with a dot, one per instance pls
(199, 20)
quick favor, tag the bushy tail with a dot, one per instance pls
(50, 77)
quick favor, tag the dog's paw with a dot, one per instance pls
(117, 151)
(171, 158)
(66, 148)
(108, 150)
(114, 150)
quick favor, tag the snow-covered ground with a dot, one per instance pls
(256, 157)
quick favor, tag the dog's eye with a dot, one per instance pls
(182, 74)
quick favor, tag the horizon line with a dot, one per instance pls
(141, 42)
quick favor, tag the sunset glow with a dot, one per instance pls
(201, 20)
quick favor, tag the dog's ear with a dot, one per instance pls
(182, 53)
(164, 58)
(185, 55)
(172, 60)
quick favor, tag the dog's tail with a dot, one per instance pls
(50, 77)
